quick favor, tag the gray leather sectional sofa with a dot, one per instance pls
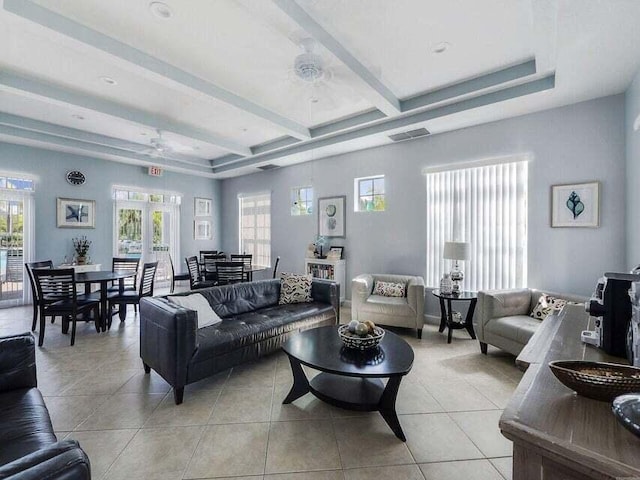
(253, 324)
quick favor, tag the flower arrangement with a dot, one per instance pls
(81, 245)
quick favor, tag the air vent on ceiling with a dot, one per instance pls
(408, 135)
(268, 166)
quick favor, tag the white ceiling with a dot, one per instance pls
(247, 48)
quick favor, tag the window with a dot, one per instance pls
(301, 201)
(255, 227)
(487, 207)
(369, 194)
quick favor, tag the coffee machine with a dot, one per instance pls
(612, 303)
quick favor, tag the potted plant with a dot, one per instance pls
(81, 246)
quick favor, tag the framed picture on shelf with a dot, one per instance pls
(76, 213)
(202, 230)
(202, 207)
(575, 205)
(336, 252)
(331, 216)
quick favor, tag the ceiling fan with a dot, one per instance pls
(316, 80)
(160, 146)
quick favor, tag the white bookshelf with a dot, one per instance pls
(328, 270)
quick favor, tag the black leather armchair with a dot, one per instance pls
(28, 446)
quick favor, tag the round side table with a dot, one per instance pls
(446, 312)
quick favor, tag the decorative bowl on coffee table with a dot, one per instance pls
(357, 342)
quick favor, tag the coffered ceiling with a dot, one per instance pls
(209, 87)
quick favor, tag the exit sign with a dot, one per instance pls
(155, 171)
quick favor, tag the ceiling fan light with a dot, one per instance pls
(308, 67)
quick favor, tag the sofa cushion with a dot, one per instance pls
(546, 306)
(519, 328)
(390, 289)
(230, 300)
(25, 425)
(396, 306)
(253, 327)
(195, 301)
(295, 288)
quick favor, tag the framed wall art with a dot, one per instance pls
(331, 216)
(575, 205)
(202, 230)
(76, 213)
(202, 207)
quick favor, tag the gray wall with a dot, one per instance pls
(632, 110)
(50, 169)
(576, 143)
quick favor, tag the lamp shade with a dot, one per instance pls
(457, 250)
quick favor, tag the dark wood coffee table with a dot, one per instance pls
(350, 379)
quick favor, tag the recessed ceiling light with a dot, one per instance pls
(160, 10)
(77, 116)
(108, 80)
(144, 134)
(440, 47)
(314, 99)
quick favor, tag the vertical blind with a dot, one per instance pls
(487, 207)
(255, 227)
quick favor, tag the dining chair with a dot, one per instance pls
(275, 267)
(195, 278)
(57, 295)
(176, 277)
(209, 266)
(229, 272)
(246, 259)
(132, 297)
(34, 291)
(125, 264)
(202, 253)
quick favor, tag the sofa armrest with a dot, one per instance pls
(59, 461)
(327, 291)
(17, 362)
(415, 298)
(361, 288)
(168, 335)
(500, 303)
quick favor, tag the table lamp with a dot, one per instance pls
(456, 251)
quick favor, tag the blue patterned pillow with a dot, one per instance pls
(295, 288)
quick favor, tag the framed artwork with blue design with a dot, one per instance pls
(76, 213)
(576, 205)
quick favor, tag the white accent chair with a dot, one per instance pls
(502, 317)
(393, 311)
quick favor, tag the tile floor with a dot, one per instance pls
(234, 425)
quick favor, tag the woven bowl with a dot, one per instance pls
(597, 380)
(351, 340)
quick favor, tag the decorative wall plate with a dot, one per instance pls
(76, 177)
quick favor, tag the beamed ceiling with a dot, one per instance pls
(209, 88)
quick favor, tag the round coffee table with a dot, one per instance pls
(350, 379)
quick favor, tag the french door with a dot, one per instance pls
(145, 230)
(16, 246)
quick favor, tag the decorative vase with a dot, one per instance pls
(82, 259)
(446, 284)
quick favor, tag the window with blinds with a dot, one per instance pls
(485, 205)
(255, 227)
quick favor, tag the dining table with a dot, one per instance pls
(103, 277)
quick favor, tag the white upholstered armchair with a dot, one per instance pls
(407, 311)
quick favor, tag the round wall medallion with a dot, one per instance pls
(75, 177)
